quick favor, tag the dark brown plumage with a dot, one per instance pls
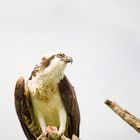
(69, 98)
(24, 111)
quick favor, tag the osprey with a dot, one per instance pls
(47, 98)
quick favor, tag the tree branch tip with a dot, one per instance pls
(108, 102)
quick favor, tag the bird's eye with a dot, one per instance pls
(60, 55)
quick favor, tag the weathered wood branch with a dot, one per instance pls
(124, 114)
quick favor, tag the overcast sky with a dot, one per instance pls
(102, 36)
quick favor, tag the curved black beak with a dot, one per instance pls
(67, 59)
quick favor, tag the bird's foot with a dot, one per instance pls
(53, 133)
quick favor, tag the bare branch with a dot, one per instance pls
(124, 114)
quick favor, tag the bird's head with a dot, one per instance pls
(51, 65)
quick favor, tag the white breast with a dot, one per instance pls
(47, 103)
(48, 110)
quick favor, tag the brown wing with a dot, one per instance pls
(69, 98)
(24, 111)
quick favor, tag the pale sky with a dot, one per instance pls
(102, 37)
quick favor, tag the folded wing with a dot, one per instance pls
(25, 112)
(69, 98)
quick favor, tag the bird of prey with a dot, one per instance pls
(47, 98)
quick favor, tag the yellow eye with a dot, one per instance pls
(60, 55)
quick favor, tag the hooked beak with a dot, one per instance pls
(67, 59)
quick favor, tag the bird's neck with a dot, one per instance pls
(44, 82)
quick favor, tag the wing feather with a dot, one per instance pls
(24, 111)
(69, 98)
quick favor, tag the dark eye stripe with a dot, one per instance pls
(45, 62)
(52, 57)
